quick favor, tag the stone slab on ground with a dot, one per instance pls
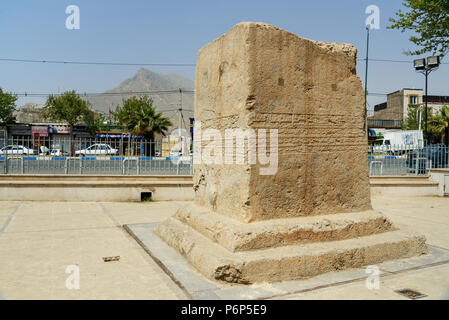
(198, 287)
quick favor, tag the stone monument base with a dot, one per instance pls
(284, 249)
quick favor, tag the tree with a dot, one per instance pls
(95, 122)
(7, 107)
(429, 20)
(68, 107)
(411, 121)
(71, 109)
(436, 122)
(138, 116)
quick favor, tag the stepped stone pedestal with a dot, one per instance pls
(313, 214)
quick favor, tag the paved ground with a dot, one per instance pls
(38, 240)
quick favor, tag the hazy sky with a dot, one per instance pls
(145, 31)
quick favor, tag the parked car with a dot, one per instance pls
(16, 150)
(436, 153)
(175, 153)
(97, 149)
(58, 153)
(52, 152)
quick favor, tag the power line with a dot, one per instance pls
(153, 64)
(393, 61)
(100, 63)
(159, 92)
(85, 94)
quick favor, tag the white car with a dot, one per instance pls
(58, 153)
(16, 150)
(97, 149)
(175, 153)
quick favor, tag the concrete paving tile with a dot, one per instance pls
(190, 279)
(3, 220)
(7, 207)
(267, 290)
(51, 221)
(433, 281)
(146, 212)
(351, 291)
(34, 264)
(44, 207)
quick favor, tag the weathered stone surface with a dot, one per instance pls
(236, 236)
(288, 262)
(313, 215)
(262, 77)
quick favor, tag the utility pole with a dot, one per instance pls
(426, 66)
(181, 145)
(365, 124)
(425, 102)
(180, 112)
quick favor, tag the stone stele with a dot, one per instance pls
(313, 215)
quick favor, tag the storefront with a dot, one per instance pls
(60, 137)
(3, 137)
(20, 134)
(40, 137)
(124, 142)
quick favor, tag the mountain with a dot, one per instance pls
(29, 113)
(145, 80)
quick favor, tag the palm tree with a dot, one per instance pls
(138, 116)
(438, 124)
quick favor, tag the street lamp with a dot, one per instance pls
(365, 124)
(426, 67)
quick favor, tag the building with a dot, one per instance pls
(393, 112)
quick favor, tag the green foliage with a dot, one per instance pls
(411, 121)
(69, 108)
(7, 107)
(138, 116)
(95, 122)
(429, 20)
(435, 123)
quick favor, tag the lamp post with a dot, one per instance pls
(426, 67)
(365, 124)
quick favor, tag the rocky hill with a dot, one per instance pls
(145, 80)
(29, 113)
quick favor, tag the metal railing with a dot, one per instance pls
(403, 160)
(133, 156)
(94, 156)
